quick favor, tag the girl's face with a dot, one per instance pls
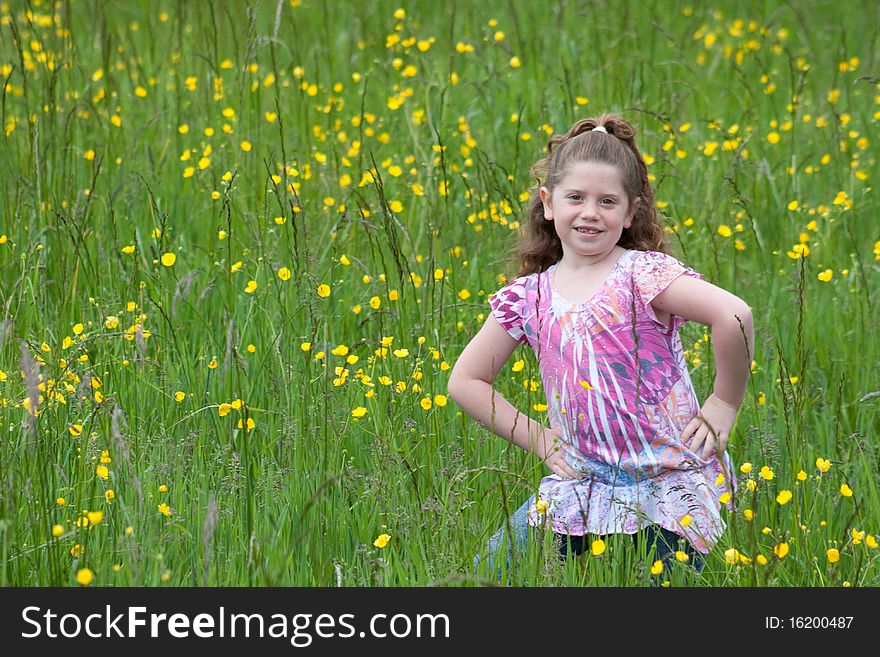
(589, 209)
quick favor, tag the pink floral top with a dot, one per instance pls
(619, 392)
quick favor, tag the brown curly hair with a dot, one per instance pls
(539, 245)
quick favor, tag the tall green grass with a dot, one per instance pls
(301, 498)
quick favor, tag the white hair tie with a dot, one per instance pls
(600, 128)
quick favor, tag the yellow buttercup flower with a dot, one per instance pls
(382, 541)
(833, 555)
(168, 259)
(845, 490)
(784, 497)
(84, 576)
(597, 547)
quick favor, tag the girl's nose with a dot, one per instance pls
(589, 209)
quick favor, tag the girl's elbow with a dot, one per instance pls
(455, 385)
(741, 313)
(459, 385)
(744, 313)
(452, 388)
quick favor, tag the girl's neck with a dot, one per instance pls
(574, 264)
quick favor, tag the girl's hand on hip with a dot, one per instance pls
(552, 449)
(710, 429)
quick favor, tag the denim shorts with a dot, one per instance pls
(664, 542)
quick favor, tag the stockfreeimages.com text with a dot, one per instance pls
(300, 629)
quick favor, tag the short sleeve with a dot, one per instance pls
(653, 272)
(507, 307)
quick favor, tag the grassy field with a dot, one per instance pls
(241, 247)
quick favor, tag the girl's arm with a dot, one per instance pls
(470, 386)
(733, 338)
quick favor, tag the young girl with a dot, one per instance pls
(601, 302)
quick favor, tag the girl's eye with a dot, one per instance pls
(608, 201)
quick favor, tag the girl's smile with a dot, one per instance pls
(588, 232)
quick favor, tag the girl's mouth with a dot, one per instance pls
(588, 231)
